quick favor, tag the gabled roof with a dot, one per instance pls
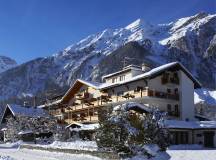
(18, 110)
(78, 84)
(24, 111)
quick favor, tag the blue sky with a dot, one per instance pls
(38, 28)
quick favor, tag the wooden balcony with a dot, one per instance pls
(156, 94)
(82, 111)
(82, 96)
(81, 117)
(55, 112)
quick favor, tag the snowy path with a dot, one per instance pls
(192, 154)
(27, 154)
(13, 153)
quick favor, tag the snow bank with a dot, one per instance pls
(185, 147)
(159, 156)
(76, 145)
(151, 149)
(5, 158)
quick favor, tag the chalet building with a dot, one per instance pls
(13, 110)
(169, 88)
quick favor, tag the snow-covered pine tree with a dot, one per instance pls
(127, 131)
(13, 128)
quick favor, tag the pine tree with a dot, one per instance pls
(126, 131)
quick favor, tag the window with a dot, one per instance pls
(122, 78)
(199, 135)
(176, 90)
(176, 110)
(175, 74)
(169, 109)
(114, 80)
(169, 91)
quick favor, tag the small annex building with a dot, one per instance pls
(14, 110)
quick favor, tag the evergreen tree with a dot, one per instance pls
(125, 131)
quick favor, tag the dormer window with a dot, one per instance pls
(122, 78)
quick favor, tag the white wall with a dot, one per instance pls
(187, 97)
(155, 84)
(128, 75)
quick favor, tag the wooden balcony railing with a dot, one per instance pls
(82, 95)
(156, 94)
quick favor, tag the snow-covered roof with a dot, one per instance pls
(81, 127)
(3, 129)
(50, 104)
(25, 132)
(205, 96)
(90, 83)
(24, 111)
(178, 124)
(133, 106)
(18, 110)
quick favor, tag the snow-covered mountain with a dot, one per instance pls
(190, 40)
(6, 63)
(205, 102)
(205, 96)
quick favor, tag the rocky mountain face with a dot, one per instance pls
(190, 40)
(6, 63)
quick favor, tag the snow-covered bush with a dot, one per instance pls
(125, 130)
(60, 133)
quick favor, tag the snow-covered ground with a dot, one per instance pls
(76, 145)
(14, 153)
(203, 154)
(179, 152)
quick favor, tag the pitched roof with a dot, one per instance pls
(18, 110)
(24, 111)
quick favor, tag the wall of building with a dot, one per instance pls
(155, 84)
(187, 97)
(128, 75)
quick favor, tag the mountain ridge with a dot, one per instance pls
(6, 63)
(190, 40)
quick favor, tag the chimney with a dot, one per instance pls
(145, 67)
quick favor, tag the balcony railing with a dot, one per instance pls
(156, 94)
(82, 95)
